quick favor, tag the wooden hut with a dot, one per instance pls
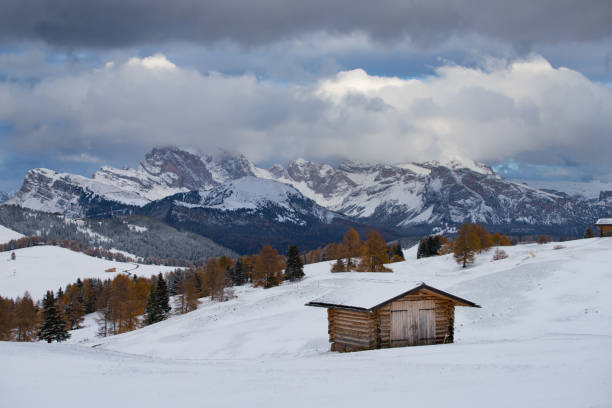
(369, 315)
(605, 227)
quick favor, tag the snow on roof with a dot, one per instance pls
(604, 221)
(369, 294)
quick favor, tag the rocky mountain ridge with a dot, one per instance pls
(410, 198)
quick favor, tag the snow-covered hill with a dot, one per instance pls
(541, 339)
(7, 234)
(42, 268)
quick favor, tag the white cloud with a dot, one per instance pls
(80, 158)
(523, 108)
(153, 62)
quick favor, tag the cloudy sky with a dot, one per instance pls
(524, 86)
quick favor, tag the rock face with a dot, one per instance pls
(417, 198)
(167, 171)
(243, 214)
(410, 198)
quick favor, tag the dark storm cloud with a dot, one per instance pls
(105, 23)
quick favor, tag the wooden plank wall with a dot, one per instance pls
(445, 314)
(350, 330)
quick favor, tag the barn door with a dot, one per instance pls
(413, 323)
(427, 326)
(403, 328)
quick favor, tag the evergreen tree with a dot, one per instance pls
(294, 269)
(163, 299)
(152, 311)
(238, 276)
(589, 233)
(397, 252)
(423, 249)
(53, 326)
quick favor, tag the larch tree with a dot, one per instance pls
(294, 269)
(465, 245)
(53, 327)
(187, 299)
(7, 319)
(375, 254)
(339, 266)
(26, 318)
(268, 268)
(215, 279)
(352, 248)
(484, 238)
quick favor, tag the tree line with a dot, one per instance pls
(470, 239)
(354, 254)
(126, 303)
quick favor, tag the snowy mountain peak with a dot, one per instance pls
(415, 196)
(458, 163)
(248, 193)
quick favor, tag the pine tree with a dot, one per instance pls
(295, 268)
(53, 326)
(238, 275)
(589, 233)
(163, 299)
(397, 252)
(152, 311)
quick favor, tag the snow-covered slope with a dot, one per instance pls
(537, 291)
(541, 339)
(7, 234)
(42, 268)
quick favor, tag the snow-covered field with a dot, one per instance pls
(543, 338)
(42, 268)
(7, 235)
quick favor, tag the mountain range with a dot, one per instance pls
(229, 199)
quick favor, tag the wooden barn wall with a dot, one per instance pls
(605, 230)
(445, 315)
(349, 330)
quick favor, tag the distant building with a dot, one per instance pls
(369, 315)
(605, 227)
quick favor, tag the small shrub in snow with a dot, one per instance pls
(499, 254)
(559, 247)
(543, 239)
